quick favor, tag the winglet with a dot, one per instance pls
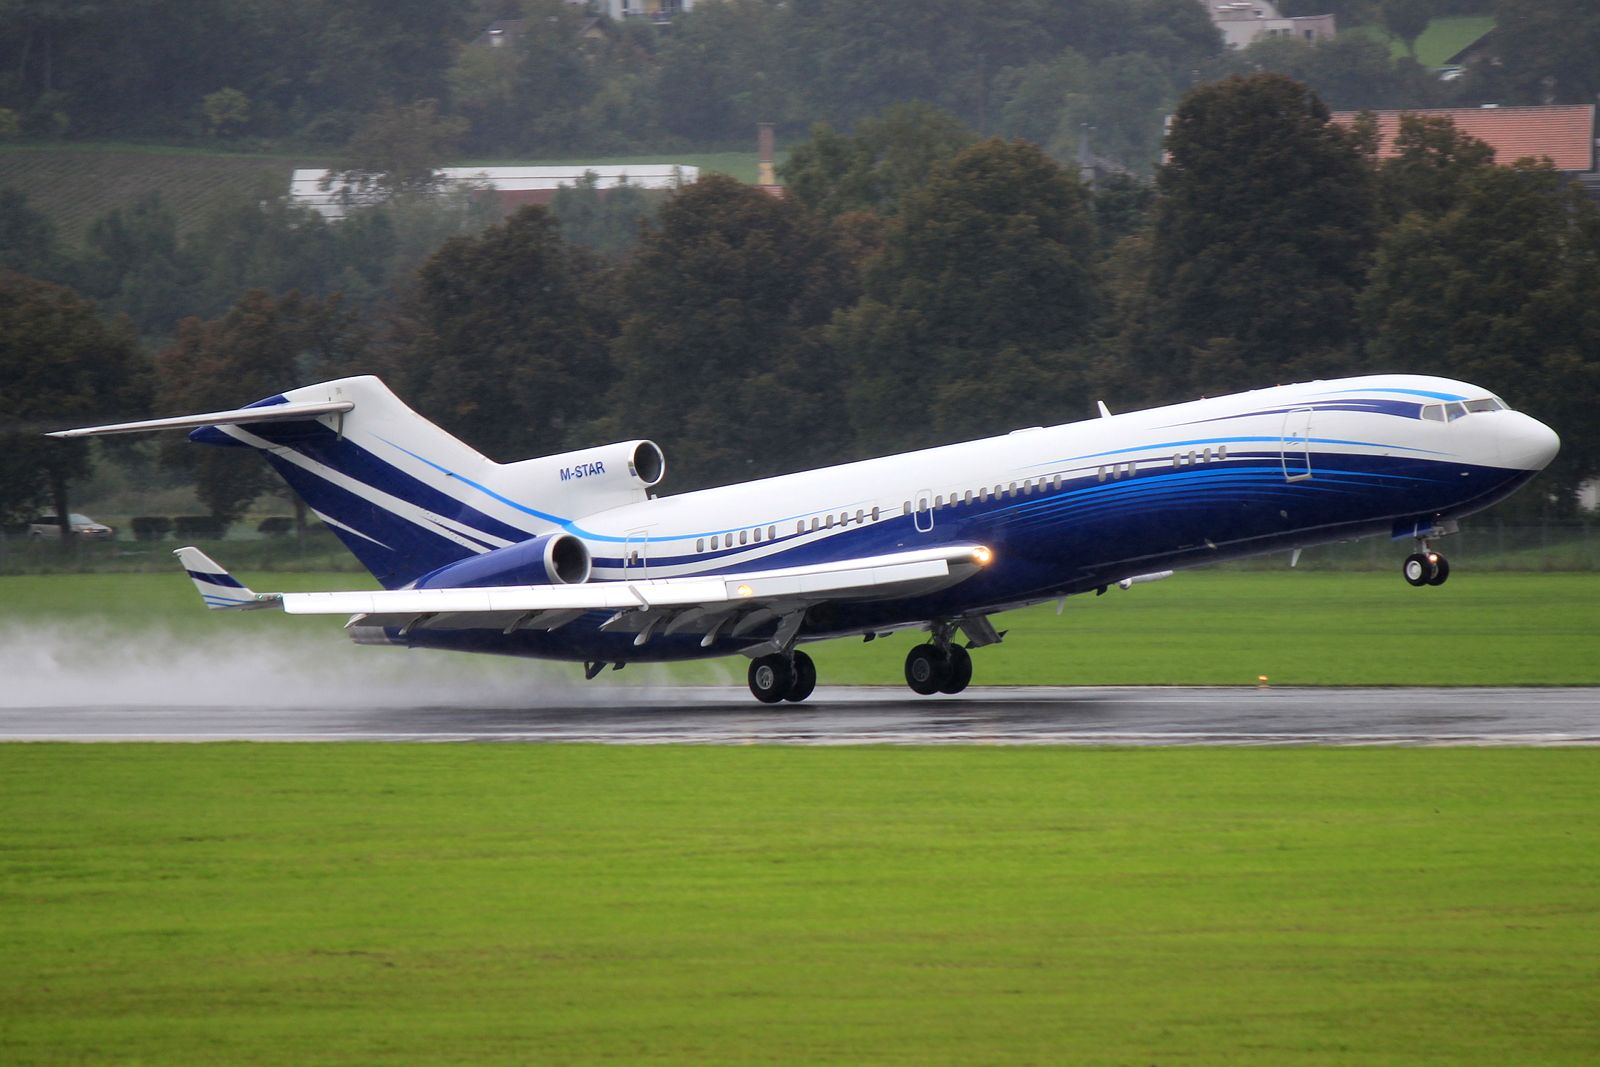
(220, 590)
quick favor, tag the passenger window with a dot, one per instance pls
(905, 509)
(700, 545)
(713, 542)
(860, 516)
(1177, 461)
(1222, 452)
(772, 532)
(874, 513)
(743, 535)
(815, 523)
(1206, 455)
(800, 527)
(967, 499)
(829, 524)
(1102, 474)
(938, 501)
(755, 535)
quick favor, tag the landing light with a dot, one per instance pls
(982, 555)
(745, 590)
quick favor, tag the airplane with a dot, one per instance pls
(575, 557)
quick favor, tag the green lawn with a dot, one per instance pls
(277, 904)
(1443, 38)
(1199, 627)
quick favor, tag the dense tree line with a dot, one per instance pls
(871, 310)
(332, 72)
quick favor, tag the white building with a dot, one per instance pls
(512, 187)
(1243, 22)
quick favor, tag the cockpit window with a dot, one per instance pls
(1456, 410)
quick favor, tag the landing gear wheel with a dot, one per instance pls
(804, 680)
(770, 678)
(926, 669)
(1441, 570)
(1418, 569)
(958, 670)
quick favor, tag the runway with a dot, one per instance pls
(726, 715)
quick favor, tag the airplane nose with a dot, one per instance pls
(1527, 444)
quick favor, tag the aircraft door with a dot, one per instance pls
(636, 555)
(1297, 445)
(922, 510)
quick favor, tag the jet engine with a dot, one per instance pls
(550, 559)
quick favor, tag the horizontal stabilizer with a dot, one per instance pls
(263, 413)
(220, 590)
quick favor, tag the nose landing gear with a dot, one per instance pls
(1426, 567)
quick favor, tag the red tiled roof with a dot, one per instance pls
(1565, 133)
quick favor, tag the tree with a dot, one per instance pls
(1547, 49)
(63, 366)
(872, 169)
(1406, 19)
(975, 307)
(607, 221)
(1265, 225)
(505, 338)
(1498, 290)
(719, 356)
(135, 265)
(397, 151)
(1431, 167)
(1349, 72)
(27, 238)
(260, 347)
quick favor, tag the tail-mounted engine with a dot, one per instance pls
(587, 480)
(553, 559)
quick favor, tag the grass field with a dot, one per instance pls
(530, 904)
(1199, 627)
(1443, 38)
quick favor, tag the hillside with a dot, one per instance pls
(74, 185)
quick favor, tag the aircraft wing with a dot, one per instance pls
(711, 605)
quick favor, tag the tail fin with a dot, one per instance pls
(220, 590)
(403, 495)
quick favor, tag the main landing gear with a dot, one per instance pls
(782, 676)
(931, 669)
(1426, 567)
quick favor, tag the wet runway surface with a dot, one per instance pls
(870, 715)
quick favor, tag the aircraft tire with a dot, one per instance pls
(926, 669)
(1441, 571)
(770, 678)
(1417, 569)
(958, 670)
(804, 679)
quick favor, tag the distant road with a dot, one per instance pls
(872, 715)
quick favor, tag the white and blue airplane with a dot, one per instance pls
(573, 557)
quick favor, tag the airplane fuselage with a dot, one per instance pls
(1070, 508)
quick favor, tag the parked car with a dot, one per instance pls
(82, 526)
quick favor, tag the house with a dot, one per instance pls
(511, 187)
(1565, 133)
(660, 12)
(1243, 22)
